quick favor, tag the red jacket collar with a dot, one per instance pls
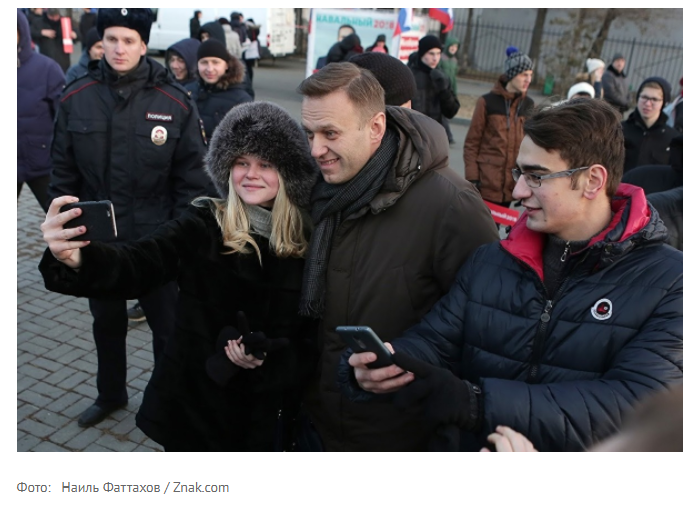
(527, 245)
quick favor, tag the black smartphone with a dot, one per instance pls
(363, 339)
(97, 216)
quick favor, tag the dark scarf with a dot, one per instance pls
(330, 203)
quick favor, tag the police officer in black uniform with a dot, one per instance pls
(129, 133)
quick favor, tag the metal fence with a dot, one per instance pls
(486, 53)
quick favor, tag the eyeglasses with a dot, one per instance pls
(653, 100)
(534, 180)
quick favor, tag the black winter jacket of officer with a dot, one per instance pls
(434, 96)
(104, 145)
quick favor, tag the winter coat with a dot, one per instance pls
(53, 48)
(669, 205)
(240, 29)
(389, 264)
(79, 69)
(646, 146)
(104, 149)
(232, 41)
(562, 372)
(182, 408)
(493, 140)
(345, 49)
(615, 90)
(194, 27)
(39, 84)
(434, 96)
(187, 49)
(449, 64)
(87, 21)
(35, 26)
(214, 101)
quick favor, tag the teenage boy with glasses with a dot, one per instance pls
(557, 330)
(647, 135)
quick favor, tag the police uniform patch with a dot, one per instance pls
(165, 117)
(202, 132)
(159, 135)
(602, 309)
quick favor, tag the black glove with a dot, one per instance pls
(476, 183)
(445, 399)
(440, 81)
(257, 343)
(218, 366)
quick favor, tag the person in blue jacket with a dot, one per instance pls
(93, 50)
(40, 81)
(558, 330)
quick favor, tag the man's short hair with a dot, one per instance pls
(584, 132)
(360, 85)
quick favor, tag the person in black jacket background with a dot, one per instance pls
(219, 387)
(647, 135)
(434, 96)
(127, 132)
(182, 60)
(220, 85)
(558, 330)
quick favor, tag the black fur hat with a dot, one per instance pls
(267, 131)
(139, 20)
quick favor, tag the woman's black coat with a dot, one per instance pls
(183, 409)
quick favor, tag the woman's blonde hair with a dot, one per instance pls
(287, 236)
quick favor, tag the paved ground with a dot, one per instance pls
(56, 360)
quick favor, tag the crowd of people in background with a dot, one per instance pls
(243, 231)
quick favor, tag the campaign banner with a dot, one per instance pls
(328, 26)
(502, 215)
(409, 40)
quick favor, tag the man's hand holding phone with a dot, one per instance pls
(59, 239)
(378, 380)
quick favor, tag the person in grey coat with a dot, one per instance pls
(93, 50)
(614, 83)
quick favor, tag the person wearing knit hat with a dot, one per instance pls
(449, 65)
(595, 68)
(220, 85)
(434, 96)
(518, 69)
(394, 77)
(614, 83)
(93, 50)
(581, 90)
(497, 128)
(647, 134)
(240, 354)
(130, 133)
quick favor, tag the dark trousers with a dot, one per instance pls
(445, 124)
(39, 187)
(110, 328)
(249, 68)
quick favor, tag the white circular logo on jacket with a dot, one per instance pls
(159, 135)
(602, 309)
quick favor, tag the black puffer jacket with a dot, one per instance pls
(103, 146)
(434, 96)
(646, 146)
(552, 370)
(214, 101)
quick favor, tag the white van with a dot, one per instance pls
(276, 37)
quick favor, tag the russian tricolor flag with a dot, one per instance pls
(444, 16)
(405, 20)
